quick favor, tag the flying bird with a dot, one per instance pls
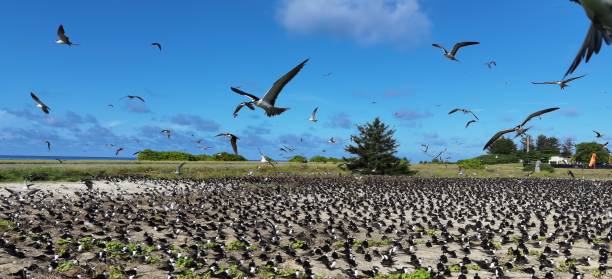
(600, 14)
(470, 122)
(48, 145)
(241, 105)
(332, 140)
(313, 116)
(118, 151)
(40, 104)
(178, 168)
(424, 148)
(519, 129)
(233, 140)
(167, 133)
(136, 153)
(63, 39)
(132, 97)
(491, 64)
(598, 134)
(157, 45)
(562, 83)
(268, 102)
(452, 55)
(465, 111)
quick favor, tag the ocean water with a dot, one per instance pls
(28, 157)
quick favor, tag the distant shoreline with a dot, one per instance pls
(77, 158)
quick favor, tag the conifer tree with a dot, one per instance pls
(374, 149)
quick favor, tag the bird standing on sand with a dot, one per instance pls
(600, 14)
(452, 55)
(268, 102)
(40, 104)
(233, 140)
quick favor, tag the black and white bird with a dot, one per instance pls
(332, 140)
(157, 45)
(597, 134)
(265, 159)
(600, 14)
(133, 97)
(48, 145)
(40, 104)
(167, 133)
(562, 83)
(62, 38)
(268, 102)
(519, 129)
(452, 55)
(465, 111)
(179, 168)
(233, 140)
(313, 115)
(239, 107)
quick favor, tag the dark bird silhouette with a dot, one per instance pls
(562, 83)
(491, 64)
(40, 104)
(597, 134)
(520, 129)
(268, 102)
(132, 97)
(48, 145)
(157, 45)
(452, 55)
(233, 140)
(470, 122)
(118, 151)
(63, 39)
(465, 111)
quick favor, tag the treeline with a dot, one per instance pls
(150, 155)
(315, 159)
(542, 148)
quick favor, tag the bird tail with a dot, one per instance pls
(273, 111)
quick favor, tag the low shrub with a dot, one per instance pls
(471, 164)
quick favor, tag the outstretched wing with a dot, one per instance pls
(139, 98)
(469, 123)
(251, 96)
(440, 47)
(457, 46)
(239, 107)
(536, 114)
(234, 143)
(36, 99)
(474, 115)
(546, 82)
(591, 44)
(179, 167)
(496, 137)
(278, 86)
(62, 34)
(454, 110)
(574, 78)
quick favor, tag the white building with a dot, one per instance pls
(556, 160)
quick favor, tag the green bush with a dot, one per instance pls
(318, 159)
(471, 164)
(543, 167)
(298, 159)
(226, 157)
(494, 159)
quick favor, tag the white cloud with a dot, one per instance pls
(366, 21)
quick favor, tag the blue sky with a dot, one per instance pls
(377, 51)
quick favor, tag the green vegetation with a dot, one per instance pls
(298, 244)
(543, 167)
(374, 149)
(298, 159)
(495, 159)
(236, 245)
(566, 266)
(6, 225)
(114, 272)
(417, 274)
(471, 164)
(64, 266)
(323, 159)
(150, 155)
(502, 146)
(585, 150)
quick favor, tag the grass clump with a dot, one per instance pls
(64, 241)
(566, 266)
(417, 274)
(184, 262)
(6, 224)
(473, 266)
(64, 266)
(298, 244)
(455, 268)
(236, 245)
(114, 272)
(379, 242)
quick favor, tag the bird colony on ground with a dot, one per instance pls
(304, 227)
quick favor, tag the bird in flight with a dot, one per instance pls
(562, 83)
(63, 39)
(118, 151)
(132, 97)
(178, 168)
(491, 64)
(233, 140)
(332, 140)
(48, 145)
(452, 55)
(598, 134)
(470, 122)
(157, 45)
(519, 129)
(265, 159)
(40, 104)
(268, 102)
(465, 111)
(600, 14)
(239, 107)
(313, 115)
(166, 132)
(424, 148)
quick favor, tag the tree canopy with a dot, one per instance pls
(548, 146)
(502, 146)
(374, 149)
(586, 149)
